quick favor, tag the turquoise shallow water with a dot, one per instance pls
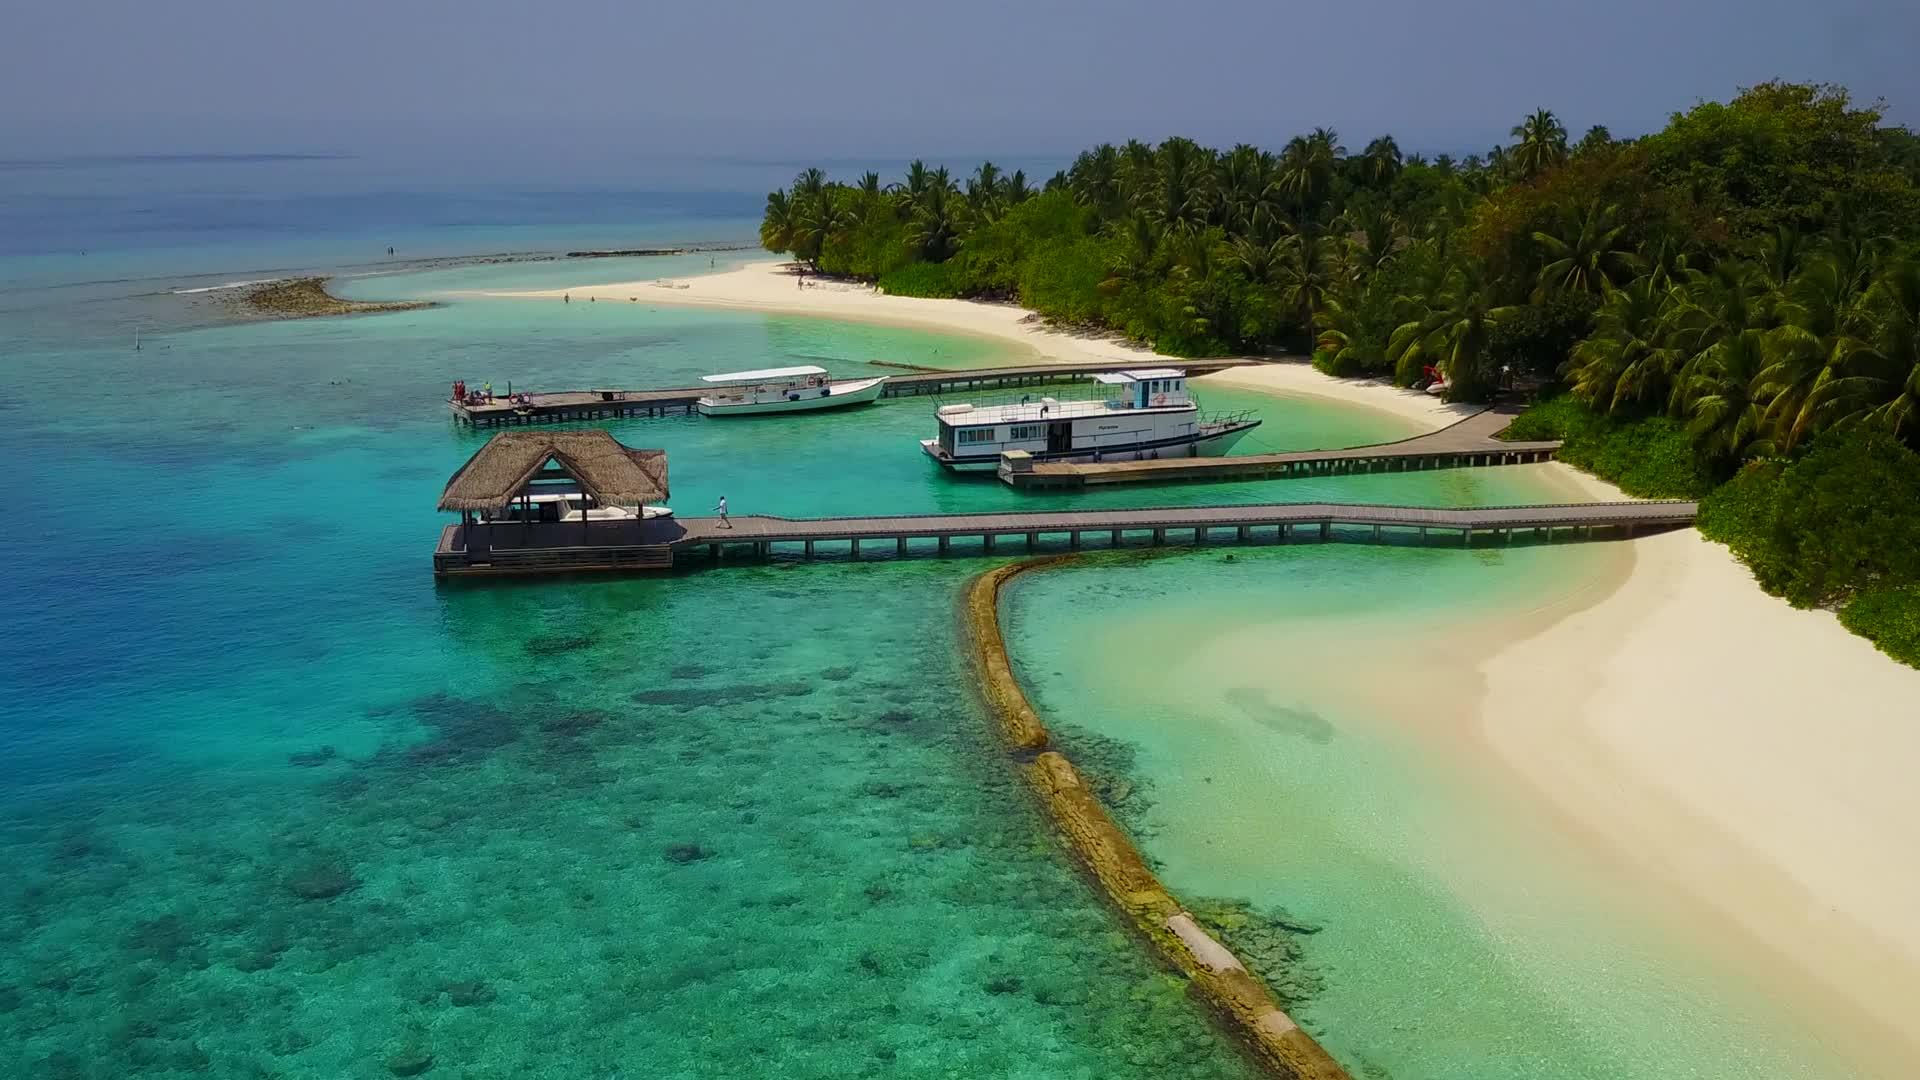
(278, 806)
(1298, 733)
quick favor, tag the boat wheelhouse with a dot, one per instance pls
(1146, 413)
(556, 501)
(783, 390)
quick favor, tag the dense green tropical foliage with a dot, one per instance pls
(1736, 288)
(1697, 271)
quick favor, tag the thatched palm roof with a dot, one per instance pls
(613, 474)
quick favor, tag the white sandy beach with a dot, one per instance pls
(770, 287)
(1755, 758)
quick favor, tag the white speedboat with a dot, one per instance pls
(784, 390)
(1147, 413)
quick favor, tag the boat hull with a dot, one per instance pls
(842, 394)
(1214, 443)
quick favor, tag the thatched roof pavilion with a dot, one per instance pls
(502, 470)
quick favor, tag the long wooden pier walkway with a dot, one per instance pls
(559, 548)
(568, 406)
(1466, 442)
(1193, 524)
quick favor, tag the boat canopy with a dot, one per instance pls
(1139, 375)
(766, 374)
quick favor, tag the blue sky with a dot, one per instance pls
(491, 81)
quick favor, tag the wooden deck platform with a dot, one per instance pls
(1466, 442)
(570, 406)
(660, 543)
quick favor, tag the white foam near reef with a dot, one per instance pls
(227, 285)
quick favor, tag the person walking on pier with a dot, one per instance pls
(722, 511)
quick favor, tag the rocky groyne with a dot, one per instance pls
(307, 297)
(1238, 996)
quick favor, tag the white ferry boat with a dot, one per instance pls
(1147, 413)
(783, 390)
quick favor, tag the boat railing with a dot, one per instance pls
(1226, 419)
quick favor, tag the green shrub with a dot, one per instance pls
(1890, 618)
(920, 279)
(1650, 457)
(1838, 521)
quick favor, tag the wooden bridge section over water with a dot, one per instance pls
(571, 406)
(1467, 442)
(662, 543)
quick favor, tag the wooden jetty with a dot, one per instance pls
(570, 406)
(534, 547)
(1466, 442)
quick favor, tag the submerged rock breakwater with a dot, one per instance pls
(307, 297)
(1215, 974)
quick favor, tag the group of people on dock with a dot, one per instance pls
(467, 395)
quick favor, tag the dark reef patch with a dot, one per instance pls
(321, 881)
(308, 759)
(556, 644)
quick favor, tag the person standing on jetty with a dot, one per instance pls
(722, 511)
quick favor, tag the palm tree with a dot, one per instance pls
(1451, 331)
(983, 191)
(1259, 261)
(1306, 276)
(819, 219)
(1137, 252)
(1712, 307)
(1181, 195)
(1242, 179)
(779, 223)
(1779, 256)
(1585, 253)
(1596, 138)
(1725, 396)
(1890, 353)
(1373, 236)
(1380, 162)
(1807, 381)
(934, 228)
(868, 194)
(1305, 168)
(1352, 331)
(1015, 189)
(919, 179)
(1540, 143)
(1627, 357)
(1095, 178)
(1138, 164)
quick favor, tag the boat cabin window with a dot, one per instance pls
(1027, 431)
(977, 435)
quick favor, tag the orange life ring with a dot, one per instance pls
(1159, 399)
